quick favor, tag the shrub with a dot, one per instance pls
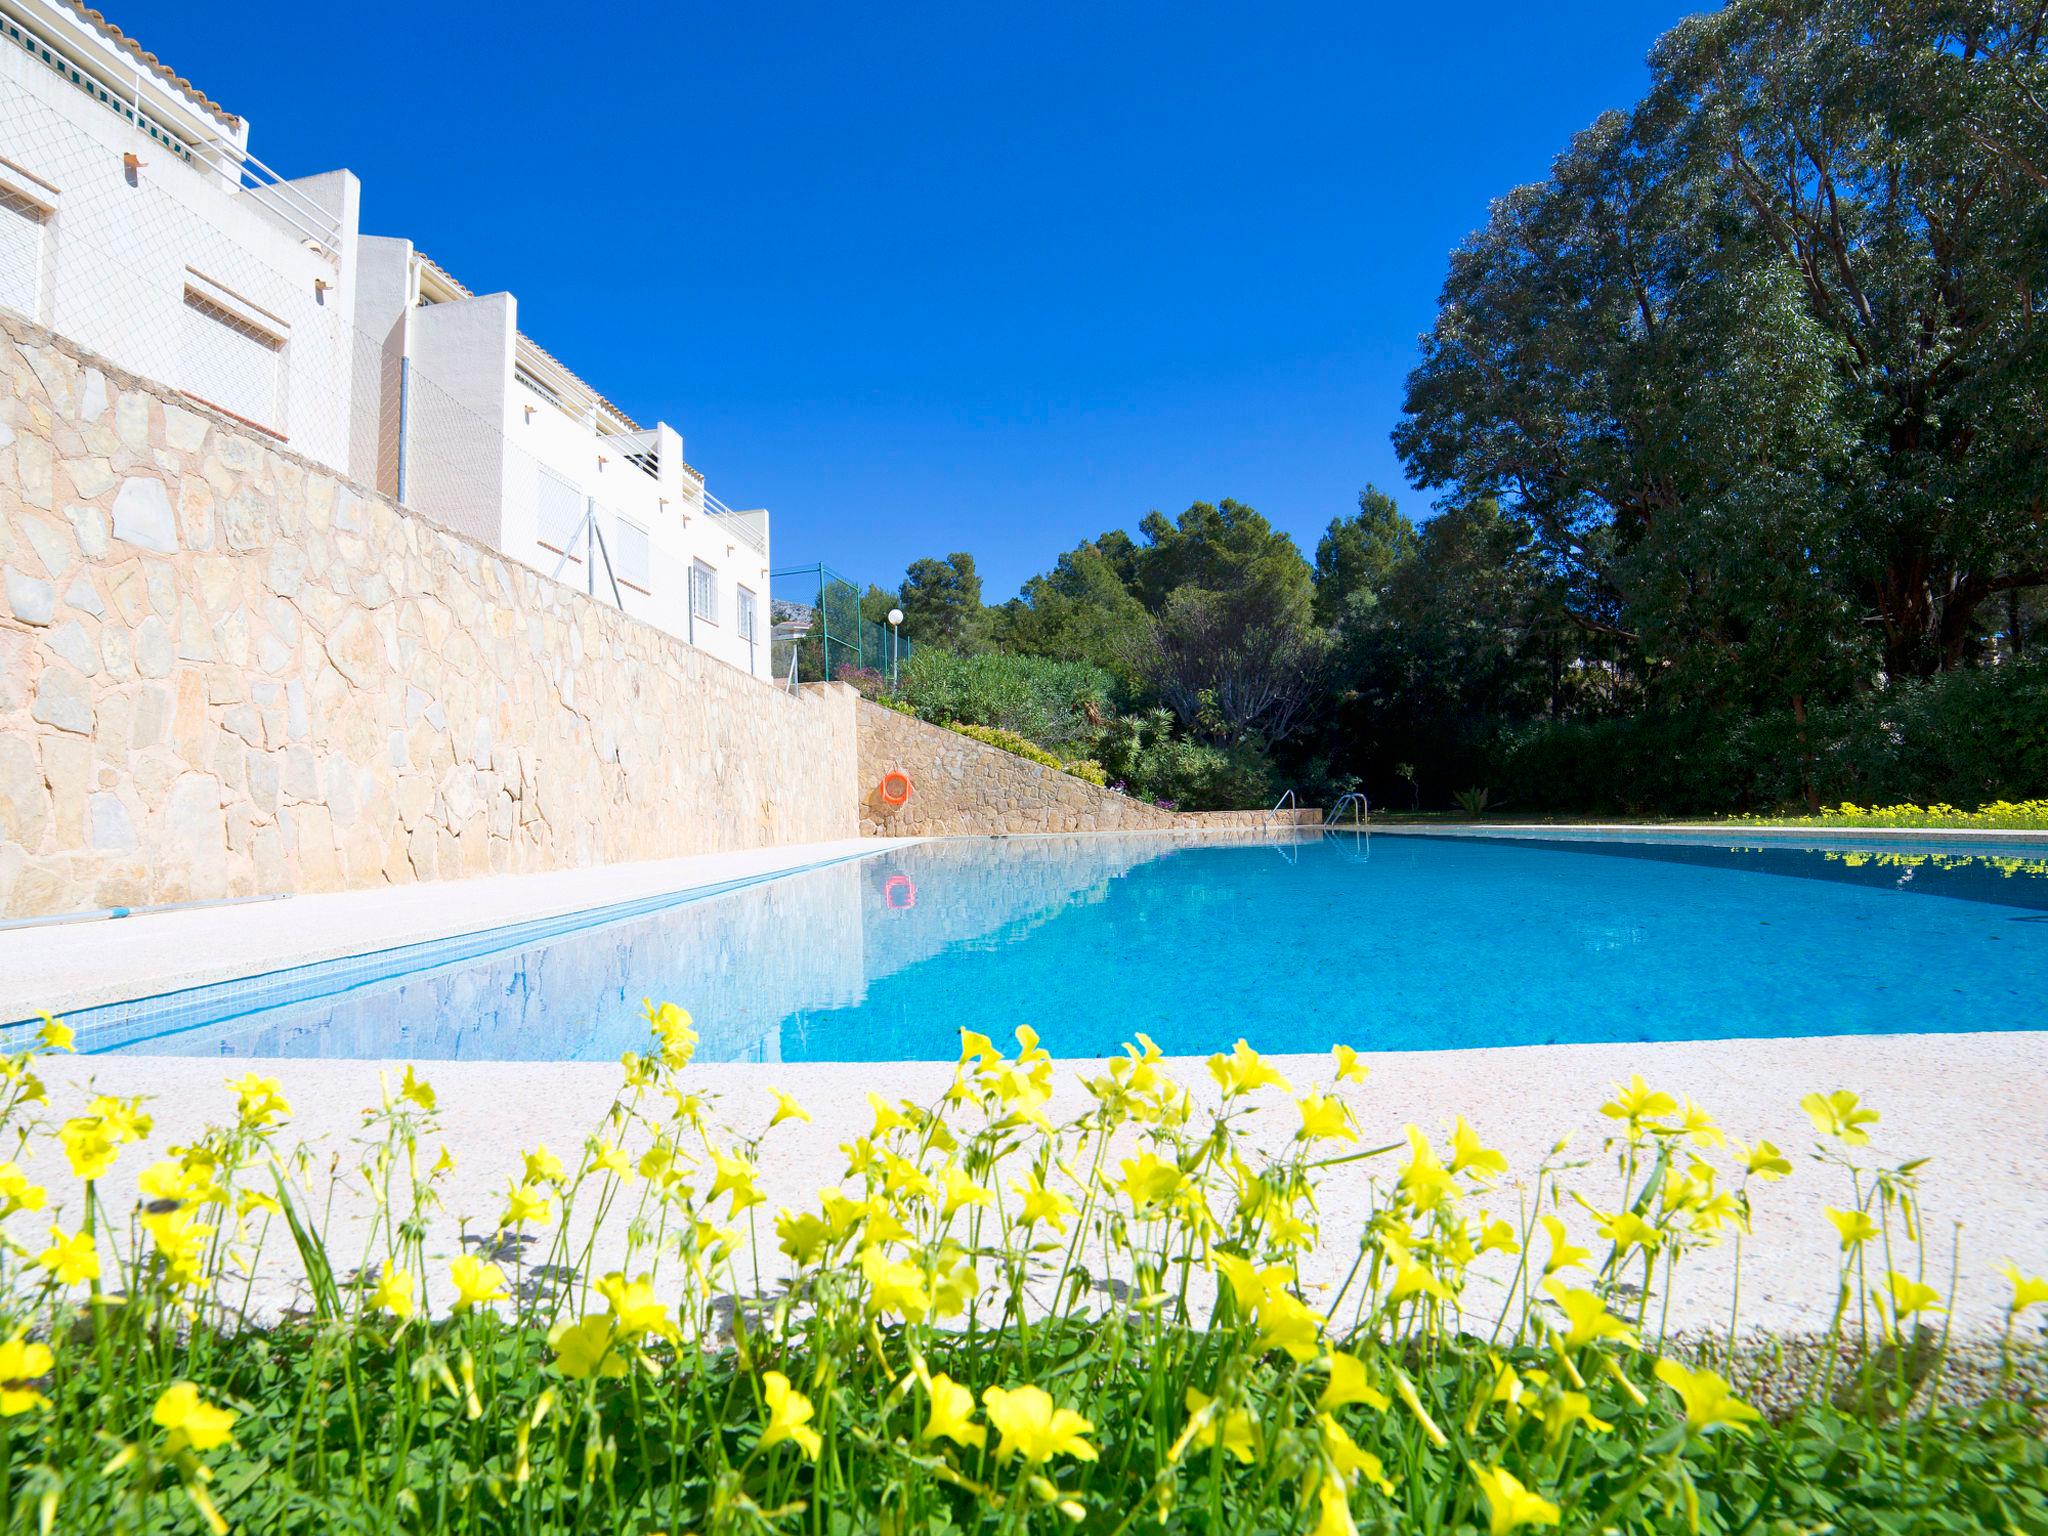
(1057, 704)
(970, 1332)
(866, 681)
(1144, 753)
(1010, 741)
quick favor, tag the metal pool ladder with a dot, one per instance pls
(1361, 809)
(1280, 805)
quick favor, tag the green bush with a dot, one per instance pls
(1010, 741)
(1058, 704)
(1142, 753)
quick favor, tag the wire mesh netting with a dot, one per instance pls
(823, 634)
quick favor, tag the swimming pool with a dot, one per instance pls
(1381, 941)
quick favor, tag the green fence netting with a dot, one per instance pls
(821, 635)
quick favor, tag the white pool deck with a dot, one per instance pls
(1977, 1104)
(72, 965)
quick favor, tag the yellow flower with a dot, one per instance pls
(1239, 1434)
(258, 1100)
(1286, 1324)
(1350, 1462)
(1626, 1230)
(786, 1108)
(789, 1416)
(1471, 1156)
(1404, 1389)
(89, 1145)
(543, 1167)
(1589, 1318)
(17, 1192)
(1566, 1409)
(1043, 1204)
(1563, 1253)
(20, 1364)
(1325, 1117)
(393, 1291)
(189, 1420)
(584, 1349)
(2027, 1290)
(803, 1237)
(256, 1200)
(1708, 1403)
(1637, 1103)
(1763, 1160)
(1349, 1068)
(1498, 1235)
(636, 1307)
(894, 1286)
(1243, 1071)
(952, 1413)
(1348, 1384)
(416, 1091)
(73, 1259)
(1909, 1295)
(1333, 1510)
(1509, 1504)
(611, 1157)
(1837, 1114)
(1424, 1180)
(735, 1177)
(445, 1163)
(175, 1182)
(962, 1191)
(476, 1281)
(181, 1241)
(524, 1203)
(1698, 1126)
(54, 1036)
(1147, 1180)
(1033, 1428)
(1855, 1226)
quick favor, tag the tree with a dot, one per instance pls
(941, 601)
(1859, 180)
(1079, 611)
(1358, 556)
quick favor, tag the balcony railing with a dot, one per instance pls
(752, 527)
(228, 160)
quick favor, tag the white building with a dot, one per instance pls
(134, 220)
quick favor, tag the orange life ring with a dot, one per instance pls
(894, 776)
(899, 893)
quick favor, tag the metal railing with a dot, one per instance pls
(221, 156)
(1361, 809)
(1280, 805)
(746, 525)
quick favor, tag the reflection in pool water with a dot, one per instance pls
(1385, 942)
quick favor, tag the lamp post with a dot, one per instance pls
(895, 628)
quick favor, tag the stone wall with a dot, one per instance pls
(960, 785)
(226, 672)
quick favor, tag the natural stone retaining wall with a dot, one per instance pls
(225, 672)
(966, 786)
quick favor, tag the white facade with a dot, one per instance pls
(134, 221)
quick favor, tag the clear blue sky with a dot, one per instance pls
(926, 277)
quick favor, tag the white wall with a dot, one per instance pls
(456, 458)
(118, 245)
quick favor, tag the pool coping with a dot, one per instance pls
(66, 967)
(1719, 831)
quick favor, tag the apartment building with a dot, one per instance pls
(135, 220)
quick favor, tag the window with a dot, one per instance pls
(227, 362)
(630, 559)
(703, 593)
(744, 617)
(561, 511)
(21, 255)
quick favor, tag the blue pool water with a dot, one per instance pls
(1384, 942)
